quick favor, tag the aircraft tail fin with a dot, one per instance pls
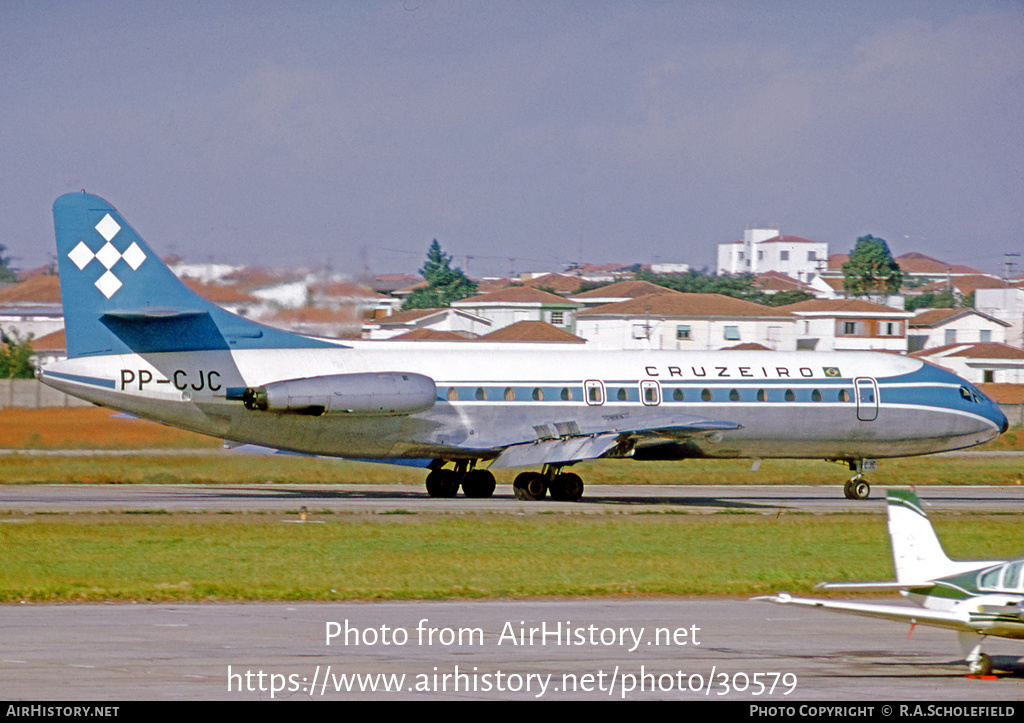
(917, 554)
(119, 297)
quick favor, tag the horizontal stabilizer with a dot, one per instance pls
(163, 330)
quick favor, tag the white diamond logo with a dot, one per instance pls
(134, 256)
(81, 255)
(108, 228)
(108, 284)
(108, 255)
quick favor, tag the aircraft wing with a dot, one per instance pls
(899, 613)
(578, 444)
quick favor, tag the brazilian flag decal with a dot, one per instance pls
(831, 371)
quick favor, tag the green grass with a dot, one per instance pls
(240, 468)
(199, 557)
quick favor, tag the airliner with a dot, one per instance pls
(140, 341)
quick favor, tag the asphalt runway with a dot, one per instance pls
(378, 498)
(581, 649)
(712, 650)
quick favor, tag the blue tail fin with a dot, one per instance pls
(119, 297)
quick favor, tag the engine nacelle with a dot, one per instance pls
(366, 393)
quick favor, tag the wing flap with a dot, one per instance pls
(551, 451)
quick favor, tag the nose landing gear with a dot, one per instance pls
(857, 488)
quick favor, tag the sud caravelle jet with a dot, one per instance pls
(974, 598)
(140, 341)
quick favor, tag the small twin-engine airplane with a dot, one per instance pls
(974, 598)
(140, 341)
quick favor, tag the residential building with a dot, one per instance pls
(933, 328)
(849, 325)
(446, 319)
(520, 303)
(763, 250)
(986, 363)
(674, 320)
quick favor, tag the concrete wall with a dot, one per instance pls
(30, 394)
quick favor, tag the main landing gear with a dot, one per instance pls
(480, 483)
(477, 483)
(563, 486)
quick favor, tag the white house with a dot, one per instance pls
(686, 322)
(849, 325)
(1006, 304)
(986, 363)
(763, 250)
(447, 319)
(939, 327)
(520, 303)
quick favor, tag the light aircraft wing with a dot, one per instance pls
(899, 613)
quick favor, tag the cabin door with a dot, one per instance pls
(866, 392)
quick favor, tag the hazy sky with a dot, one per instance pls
(353, 133)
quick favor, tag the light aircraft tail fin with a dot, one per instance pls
(917, 554)
(119, 297)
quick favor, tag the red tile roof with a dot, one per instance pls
(532, 331)
(516, 295)
(918, 263)
(624, 290)
(36, 290)
(684, 305)
(435, 335)
(839, 306)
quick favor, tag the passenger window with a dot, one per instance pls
(510, 394)
(538, 395)
(790, 397)
(621, 396)
(678, 395)
(844, 396)
(481, 395)
(762, 395)
(453, 394)
(815, 396)
(566, 394)
(734, 396)
(706, 395)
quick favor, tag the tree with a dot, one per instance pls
(871, 270)
(16, 356)
(444, 284)
(739, 286)
(7, 275)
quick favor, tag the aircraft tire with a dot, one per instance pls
(478, 484)
(566, 487)
(981, 666)
(442, 483)
(860, 490)
(530, 486)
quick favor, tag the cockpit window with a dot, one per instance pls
(990, 578)
(971, 394)
(1012, 576)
